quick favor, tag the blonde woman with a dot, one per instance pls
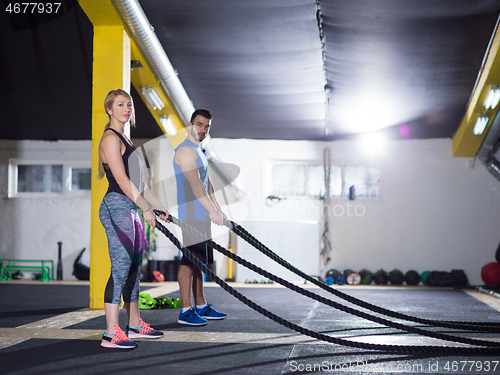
(124, 229)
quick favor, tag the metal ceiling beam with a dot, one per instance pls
(465, 142)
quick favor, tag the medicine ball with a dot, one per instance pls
(353, 279)
(423, 277)
(396, 277)
(329, 281)
(490, 273)
(347, 272)
(366, 276)
(412, 277)
(380, 277)
(341, 280)
(334, 274)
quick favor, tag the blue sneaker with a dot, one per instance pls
(191, 318)
(208, 312)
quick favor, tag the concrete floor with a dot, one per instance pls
(46, 328)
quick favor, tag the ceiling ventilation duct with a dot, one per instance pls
(138, 25)
(143, 33)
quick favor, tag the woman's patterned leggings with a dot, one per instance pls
(124, 229)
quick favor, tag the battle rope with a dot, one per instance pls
(473, 326)
(489, 347)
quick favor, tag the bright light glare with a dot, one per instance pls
(168, 125)
(152, 98)
(373, 143)
(369, 112)
(480, 125)
(404, 130)
(492, 98)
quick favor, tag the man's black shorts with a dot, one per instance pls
(199, 249)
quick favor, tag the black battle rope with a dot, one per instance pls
(489, 347)
(328, 302)
(473, 326)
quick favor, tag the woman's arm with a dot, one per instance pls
(153, 201)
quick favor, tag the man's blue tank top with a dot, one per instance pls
(189, 208)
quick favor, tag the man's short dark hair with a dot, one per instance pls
(201, 112)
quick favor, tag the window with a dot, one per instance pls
(47, 178)
(40, 178)
(308, 180)
(80, 178)
(289, 180)
(316, 181)
(364, 179)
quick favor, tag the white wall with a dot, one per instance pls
(30, 228)
(434, 212)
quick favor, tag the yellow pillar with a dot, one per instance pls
(111, 70)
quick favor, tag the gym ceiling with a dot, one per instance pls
(272, 69)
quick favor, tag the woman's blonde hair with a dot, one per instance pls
(108, 104)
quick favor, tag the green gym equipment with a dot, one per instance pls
(147, 302)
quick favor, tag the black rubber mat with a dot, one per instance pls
(23, 304)
(43, 356)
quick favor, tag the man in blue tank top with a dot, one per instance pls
(196, 198)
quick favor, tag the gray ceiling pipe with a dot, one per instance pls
(143, 33)
(138, 25)
(489, 147)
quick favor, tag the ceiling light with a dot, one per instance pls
(373, 143)
(481, 123)
(168, 125)
(492, 98)
(152, 97)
